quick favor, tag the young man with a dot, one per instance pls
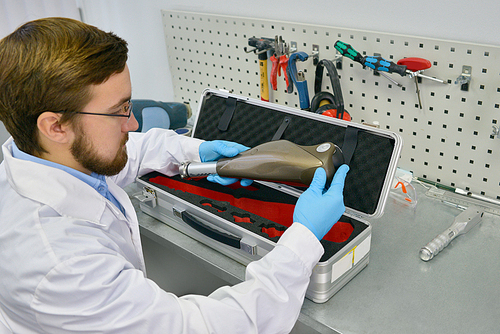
(70, 252)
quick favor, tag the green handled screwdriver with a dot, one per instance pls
(374, 62)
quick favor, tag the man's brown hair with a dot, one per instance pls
(49, 65)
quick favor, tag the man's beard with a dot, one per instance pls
(84, 152)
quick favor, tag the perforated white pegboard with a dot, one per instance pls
(450, 140)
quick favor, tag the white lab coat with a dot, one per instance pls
(70, 261)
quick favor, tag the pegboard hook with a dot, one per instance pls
(315, 54)
(465, 78)
(495, 131)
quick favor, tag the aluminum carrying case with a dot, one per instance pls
(245, 223)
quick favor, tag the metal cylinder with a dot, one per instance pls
(434, 247)
(197, 169)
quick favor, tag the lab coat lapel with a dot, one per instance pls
(61, 191)
(133, 224)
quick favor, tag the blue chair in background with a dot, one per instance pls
(157, 114)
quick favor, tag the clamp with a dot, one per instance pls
(298, 78)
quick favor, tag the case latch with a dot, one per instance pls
(248, 247)
(148, 195)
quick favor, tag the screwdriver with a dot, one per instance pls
(374, 62)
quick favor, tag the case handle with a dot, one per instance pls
(210, 232)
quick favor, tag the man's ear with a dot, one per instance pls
(50, 127)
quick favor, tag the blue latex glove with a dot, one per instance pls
(216, 149)
(317, 209)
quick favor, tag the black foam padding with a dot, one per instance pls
(253, 125)
(264, 193)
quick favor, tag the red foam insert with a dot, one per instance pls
(280, 213)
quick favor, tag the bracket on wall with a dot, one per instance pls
(465, 78)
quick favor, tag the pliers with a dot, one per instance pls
(280, 61)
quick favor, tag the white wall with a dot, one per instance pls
(13, 13)
(139, 22)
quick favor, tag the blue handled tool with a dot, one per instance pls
(374, 62)
(298, 79)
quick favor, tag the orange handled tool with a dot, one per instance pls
(283, 65)
(274, 72)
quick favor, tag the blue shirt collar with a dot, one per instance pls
(91, 180)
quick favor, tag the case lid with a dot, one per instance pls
(225, 116)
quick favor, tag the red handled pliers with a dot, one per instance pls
(280, 62)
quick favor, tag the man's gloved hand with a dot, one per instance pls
(216, 149)
(317, 209)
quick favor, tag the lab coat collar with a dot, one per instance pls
(66, 194)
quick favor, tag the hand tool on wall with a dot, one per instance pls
(274, 71)
(280, 160)
(261, 46)
(416, 65)
(283, 60)
(280, 62)
(463, 223)
(374, 62)
(275, 59)
(409, 66)
(298, 79)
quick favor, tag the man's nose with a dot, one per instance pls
(131, 124)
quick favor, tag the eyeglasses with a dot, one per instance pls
(125, 111)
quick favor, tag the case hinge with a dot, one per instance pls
(147, 195)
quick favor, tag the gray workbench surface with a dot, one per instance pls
(456, 292)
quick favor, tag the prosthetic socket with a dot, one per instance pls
(277, 161)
